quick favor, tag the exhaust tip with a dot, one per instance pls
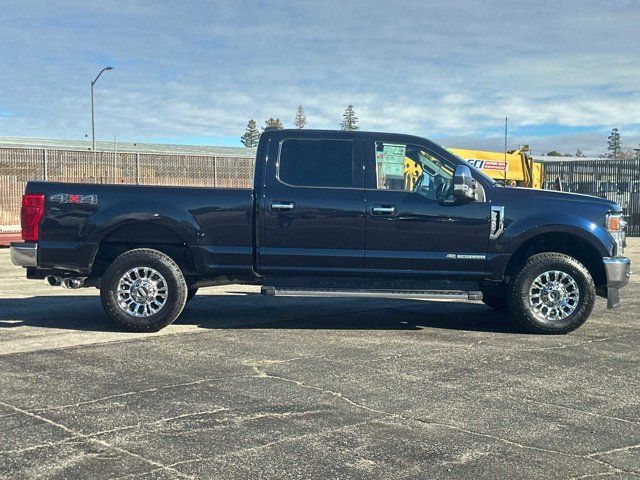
(53, 281)
(72, 283)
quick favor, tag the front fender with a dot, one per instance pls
(519, 231)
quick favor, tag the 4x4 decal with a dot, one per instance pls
(74, 198)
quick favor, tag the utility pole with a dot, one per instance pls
(506, 131)
(93, 121)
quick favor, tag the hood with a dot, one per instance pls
(555, 196)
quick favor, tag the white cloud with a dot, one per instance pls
(202, 68)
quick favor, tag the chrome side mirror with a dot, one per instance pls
(464, 185)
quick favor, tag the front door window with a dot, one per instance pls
(410, 168)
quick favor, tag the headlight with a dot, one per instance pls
(617, 227)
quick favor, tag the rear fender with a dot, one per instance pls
(179, 227)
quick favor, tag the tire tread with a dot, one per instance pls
(174, 309)
(546, 260)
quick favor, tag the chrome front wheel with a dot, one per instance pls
(551, 293)
(554, 295)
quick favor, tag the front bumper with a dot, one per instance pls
(618, 270)
(24, 254)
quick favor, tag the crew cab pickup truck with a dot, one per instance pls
(332, 213)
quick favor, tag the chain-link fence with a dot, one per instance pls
(617, 180)
(19, 165)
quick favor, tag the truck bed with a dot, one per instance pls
(215, 223)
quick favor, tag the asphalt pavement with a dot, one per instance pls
(251, 387)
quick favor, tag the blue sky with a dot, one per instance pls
(564, 72)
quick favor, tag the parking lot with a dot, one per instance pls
(245, 386)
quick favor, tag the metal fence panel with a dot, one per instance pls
(19, 165)
(617, 180)
(91, 167)
(234, 172)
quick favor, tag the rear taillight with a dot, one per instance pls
(31, 214)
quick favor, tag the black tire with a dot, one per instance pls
(499, 304)
(176, 289)
(519, 289)
(191, 293)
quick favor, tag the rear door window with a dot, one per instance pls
(316, 163)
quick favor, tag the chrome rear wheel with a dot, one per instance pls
(142, 292)
(143, 289)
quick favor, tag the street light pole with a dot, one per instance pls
(93, 121)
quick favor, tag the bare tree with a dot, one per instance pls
(301, 118)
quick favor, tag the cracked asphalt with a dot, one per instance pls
(245, 386)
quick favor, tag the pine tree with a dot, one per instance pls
(349, 119)
(273, 123)
(613, 143)
(301, 118)
(251, 134)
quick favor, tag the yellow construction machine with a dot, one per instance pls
(516, 168)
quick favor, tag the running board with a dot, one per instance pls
(402, 294)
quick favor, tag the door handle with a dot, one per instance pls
(383, 209)
(282, 206)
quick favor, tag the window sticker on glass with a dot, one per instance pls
(392, 159)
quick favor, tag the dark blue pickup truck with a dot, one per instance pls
(333, 214)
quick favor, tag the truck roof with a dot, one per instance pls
(316, 133)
